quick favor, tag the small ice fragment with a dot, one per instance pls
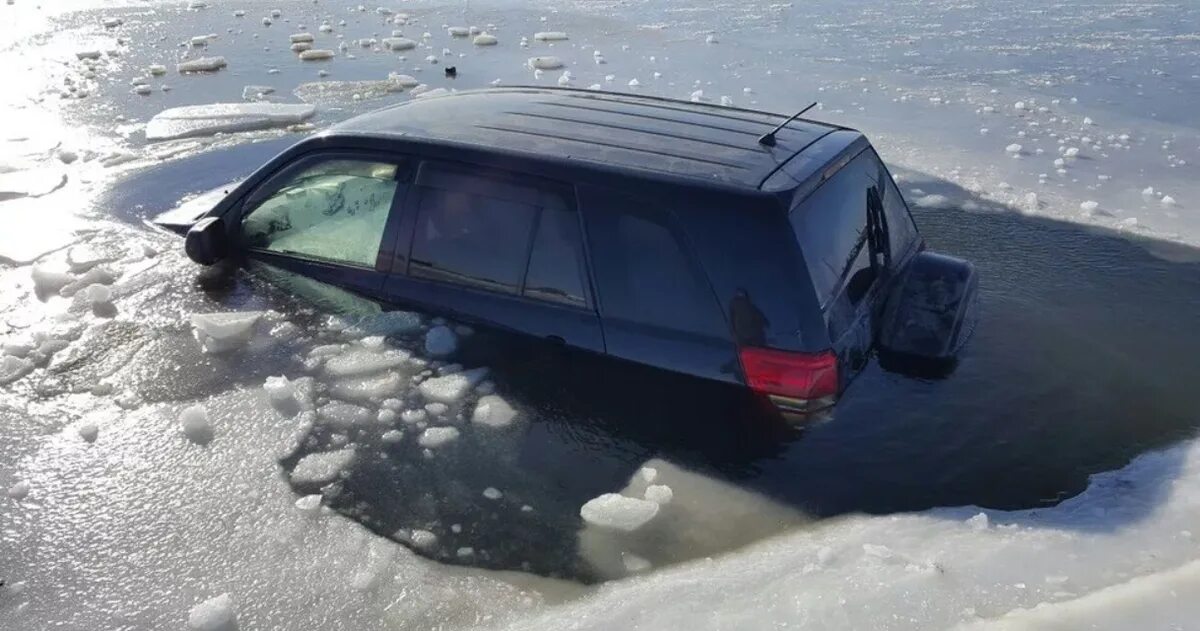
(493, 411)
(386, 416)
(465, 551)
(309, 504)
(545, 63)
(451, 388)
(1071, 152)
(98, 294)
(440, 341)
(48, 281)
(89, 432)
(550, 36)
(456, 528)
(436, 409)
(633, 563)
(659, 494)
(978, 522)
(239, 13)
(319, 468)
(431, 59)
(711, 39)
(649, 474)
(199, 41)
(111, 22)
(357, 362)
(221, 332)
(423, 539)
(276, 13)
(344, 415)
(633, 83)
(88, 54)
(1089, 206)
(316, 55)
(403, 80)
(280, 391)
(618, 512)
(484, 39)
(413, 416)
(214, 614)
(1088, 121)
(325, 28)
(492, 493)
(435, 437)
(1019, 106)
(157, 70)
(193, 420)
(458, 31)
(1167, 200)
(19, 490)
(392, 436)
(203, 64)
(1014, 149)
(1148, 191)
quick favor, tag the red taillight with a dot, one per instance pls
(804, 376)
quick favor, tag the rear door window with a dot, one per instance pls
(831, 227)
(333, 210)
(473, 239)
(645, 273)
(556, 263)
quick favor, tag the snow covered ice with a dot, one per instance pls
(205, 120)
(319, 468)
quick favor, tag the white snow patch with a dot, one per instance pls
(206, 120)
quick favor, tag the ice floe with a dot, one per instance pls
(206, 120)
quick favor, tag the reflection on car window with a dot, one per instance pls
(556, 263)
(831, 226)
(335, 210)
(472, 239)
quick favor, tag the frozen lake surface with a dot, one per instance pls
(298, 460)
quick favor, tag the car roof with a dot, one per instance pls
(656, 137)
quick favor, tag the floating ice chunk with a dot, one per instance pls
(1167, 200)
(435, 437)
(13, 368)
(932, 201)
(458, 31)
(214, 614)
(450, 388)
(301, 37)
(157, 70)
(547, 62)
(266, 21)
(423, 539)
(1089, 206)
(368, 388)
(88, 54)
(344, 415)
(19, 490)
(309, 504)
(1013, 149)
(1019, 106)
(239, 13)
(403, 80)
(193, 421)
(111, 22)
(1148, 191)
(323, 467)
(280, 391)
(325, 28)
(96, 275)
(48, 281)
(618, 512)
(440, 341)
(276, 13)
(649, 474)
(300, 47)
(1071, 152)
(492, 493)
(1088, 121)
(436, 409)
(89, 432)
(206, 120)
(633, 563)
(978, 522)
(550, 36)
(203, 64)
(392, 436)
(413, 416)
(633, 83)
(221, 332)
(316, 54)
(465, 552)
(356, 362)
(493, 411)
(98, 294)
(711, 39)
(197, 4)
(484, 39)
(659, 494)
(200, 41)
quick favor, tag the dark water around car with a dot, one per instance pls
(1086, 356)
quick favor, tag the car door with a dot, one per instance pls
(331, 216)
(498, 249)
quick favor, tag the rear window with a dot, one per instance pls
(831, 225)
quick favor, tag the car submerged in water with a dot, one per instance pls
(730, 245)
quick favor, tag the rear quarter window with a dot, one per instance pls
(830, 225)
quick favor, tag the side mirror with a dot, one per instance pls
(931, 310)
(207, 241)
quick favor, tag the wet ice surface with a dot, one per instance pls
(108, 493)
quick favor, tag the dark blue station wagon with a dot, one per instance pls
(726, 244)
